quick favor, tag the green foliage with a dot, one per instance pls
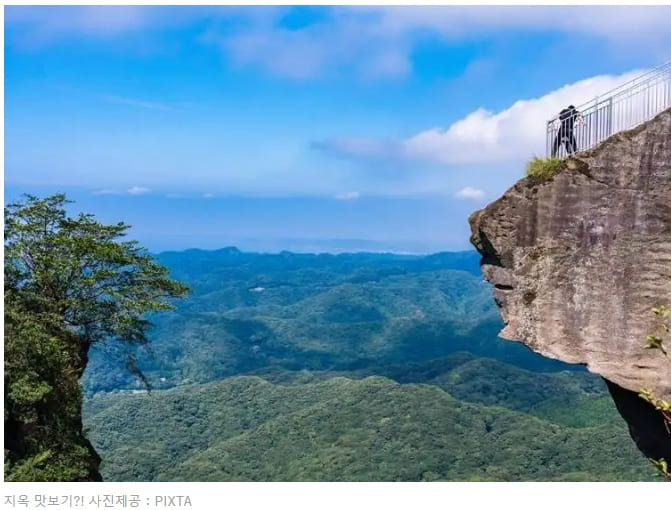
(42, 401)
(656, 341)
(578, 411)
(69, 283)
(658, 403)
(544, 168)
(249, 312)
(662, 311)
(490, 382)
(663, 467)
(343, 429)
(80, 270)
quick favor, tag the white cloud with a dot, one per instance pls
(377, 42)
(516, 133)
(348, 195)
(37, 26)
(345, 39)
(133, 190)
(469, 193)
(459, 22)
(137, 190)
(372, 41)
(98, 21)
(454, 22)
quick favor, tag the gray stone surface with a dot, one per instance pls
(579, 261)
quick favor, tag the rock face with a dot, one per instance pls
(579, 261)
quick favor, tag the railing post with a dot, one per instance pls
(593, 140)
(610, 115)
(547, 139)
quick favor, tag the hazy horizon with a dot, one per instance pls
(422, 225)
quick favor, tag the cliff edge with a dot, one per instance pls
(579, 261)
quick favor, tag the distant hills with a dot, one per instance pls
(347, 367)
(248, 311)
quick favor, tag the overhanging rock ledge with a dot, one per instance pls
(579, 261)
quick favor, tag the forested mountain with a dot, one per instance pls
(319, 426)
(250, 311)
(347, 367)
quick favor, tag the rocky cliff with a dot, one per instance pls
(579, 261)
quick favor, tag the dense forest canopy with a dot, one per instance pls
(249, 312)
(334, 428)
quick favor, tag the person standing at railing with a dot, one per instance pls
(567, 119)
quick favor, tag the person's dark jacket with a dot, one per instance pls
(567, 117)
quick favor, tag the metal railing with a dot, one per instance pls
(624, 107)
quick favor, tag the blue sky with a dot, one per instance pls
(309, 128)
